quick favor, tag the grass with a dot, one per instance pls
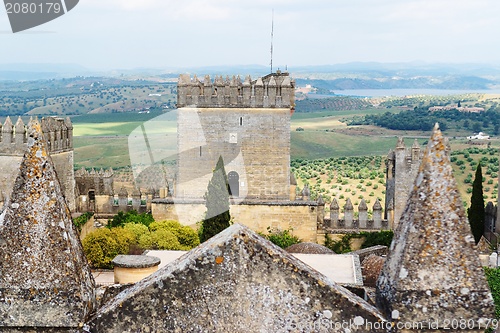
(101, 140)
(101, 152)
(106, 129)
(322, 144)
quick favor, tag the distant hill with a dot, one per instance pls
(24, 72)
(451, 83)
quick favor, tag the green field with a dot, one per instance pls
(321, 144)
(324, 135)
(101, 152)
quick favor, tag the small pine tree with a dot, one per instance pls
(217, 217)
(475, 212)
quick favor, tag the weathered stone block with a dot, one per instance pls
(44, 277)
(432, 273)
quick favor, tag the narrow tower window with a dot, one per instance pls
(234, 183)
(241, 121)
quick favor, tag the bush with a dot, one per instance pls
(103, 245)
(161, 239)
(122, 218)
(377, 238)
(80, 221)
(493, 277)
(371, 239)
(340, 246)
(282, 238)
(137, 229)
(164, 239)
(187, 237)
(124, 239)
(146, 241)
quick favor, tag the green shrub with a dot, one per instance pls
(80, 221)
(168, 224)
(124, 239)
(122, 218)
(340, 246)
(493, 277)
(187, 237)
(164, 239)
(137, 229)
(371, 239)
(103, 245)
(282, 238)
(383, 237)
(146, 241)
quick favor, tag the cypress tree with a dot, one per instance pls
(475, 212)
(217, 217)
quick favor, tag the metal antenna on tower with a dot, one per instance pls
(272, 37)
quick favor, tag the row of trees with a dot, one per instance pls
(423, 120)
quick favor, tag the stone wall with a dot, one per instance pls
(254, 144)
(402, 168)
(9, 168)
(300, 216)
(186, 212)
(334, 223)
(87, 228)
(112, 204)
(63, 162)
(100, 182)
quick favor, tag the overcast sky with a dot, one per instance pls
(111, 34)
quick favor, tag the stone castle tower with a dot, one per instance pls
(58, 133)
(402, 168)
(247, 123)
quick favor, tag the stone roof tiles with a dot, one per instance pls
(43, 272)
(432, 271)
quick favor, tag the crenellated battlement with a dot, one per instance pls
(58, 133)
(276, 90)
(402, 167)
(334, 222)
(99, 182)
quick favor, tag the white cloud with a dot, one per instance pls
(138, 33)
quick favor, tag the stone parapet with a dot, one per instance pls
(276, 90)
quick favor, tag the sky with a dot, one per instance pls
(127, 34)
